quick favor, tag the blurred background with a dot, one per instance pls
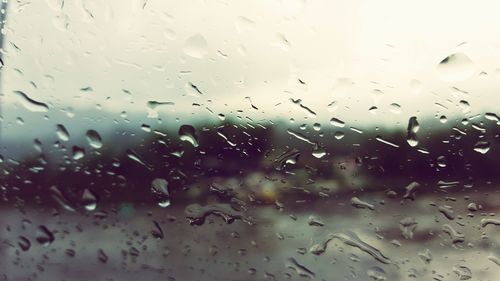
(249, 140)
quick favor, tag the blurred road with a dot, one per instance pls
(238, 251)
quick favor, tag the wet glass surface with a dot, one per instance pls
(249, 140)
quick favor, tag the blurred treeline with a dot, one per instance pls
(344, 158)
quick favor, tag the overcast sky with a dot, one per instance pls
(349, 56)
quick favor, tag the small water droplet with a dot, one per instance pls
(24, 243)
(377, 273)
(156, 231)
(101, 256)
(395, 108)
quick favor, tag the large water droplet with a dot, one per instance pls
(456, 67)
(94, 139)
(337, 122)
(300, 269)
(78, 152)
(31, 104)
(159, 187)
(188, 133)
(360, 204)
(62, 132)
(482, 147)
(44, 236)
(463, 272)
(411, 134)
(351, 239)
(89, 200)
(196, 46)
(197, 214)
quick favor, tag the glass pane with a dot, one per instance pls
(249, 140)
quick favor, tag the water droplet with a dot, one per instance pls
(351, 239)
(188, 133)
(456, 67)
(407, 227)
(377, 273)
(58, 196)
(196, 46)
(463, 272)
(94, 139)
(486, 222)
(31, 104)
(472, 207)
(78, 152)
(455, 236)
(290, 156)
(337, 122)
(443, 119)
(317, 126)
(495, 259)
(302, 138)
(197, 214)
(159, 188)
(492, 116)
(380, 139)
(465, 106)
(89, 200)
(482, 147)
(24, 243)
(135, 157)
(156, 231)
(44, 236)
(373, 110)
(101, 256)
(358, 203)
(62, 132)
(425, 256)
(244, 24)
(152, 107)
(411, 133)
(339, 135)
(300, 269)
(395, 108)
(441, 161)
(319, 153)
(314, 221)
(410, 190)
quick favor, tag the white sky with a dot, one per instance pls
(344, 51)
